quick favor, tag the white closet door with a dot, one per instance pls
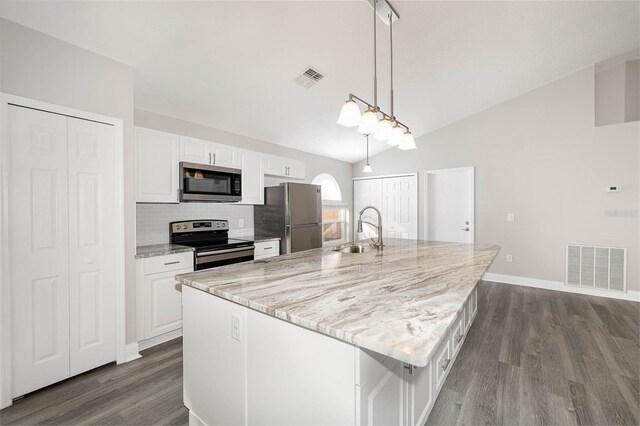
(92, 247)
(366, 192)
(38, 232)
(400, 207)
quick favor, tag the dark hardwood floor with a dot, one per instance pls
(142, 392)
(545, 357)
(531, 357)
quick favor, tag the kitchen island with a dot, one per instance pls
(327, 337)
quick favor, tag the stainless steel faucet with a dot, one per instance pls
(377, 243)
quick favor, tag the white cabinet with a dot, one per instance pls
(284, 167)
(161, 293)
(252, 178)
(266, 249)
(420, 393)
(157, 156)
(204, 152)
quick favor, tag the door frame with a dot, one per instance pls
(428, 173)
(5, 265)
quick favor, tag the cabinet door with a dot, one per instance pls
(225, 156)
(382, 396)
(163, 303)
(420, 393)
(274, 166)
(92, 245)
(295, 169)
(39, 246)
(195, 150)
(157, 167)
(252, 178)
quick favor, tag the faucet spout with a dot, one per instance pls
(378, 242)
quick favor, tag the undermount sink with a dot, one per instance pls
(355, 248)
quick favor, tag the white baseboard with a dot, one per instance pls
(194, 420)
(146, 344)
(633, 296)
(131, 352)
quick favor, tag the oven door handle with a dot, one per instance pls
(233, 250)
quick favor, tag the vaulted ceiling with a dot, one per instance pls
(231, 64)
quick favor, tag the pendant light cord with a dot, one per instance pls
(367, 150)
(391, 61)
(375, 56)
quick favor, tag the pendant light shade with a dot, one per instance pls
(350, 114)
(369, 123)
(407, 142)
(384, 129)
(367, 169)
(396, 135)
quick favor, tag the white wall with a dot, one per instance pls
(539, 156)
(37, 66)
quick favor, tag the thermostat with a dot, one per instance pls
(614, 188)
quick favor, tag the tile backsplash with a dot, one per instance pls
(152, 220)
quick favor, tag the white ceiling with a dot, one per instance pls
(230, 65)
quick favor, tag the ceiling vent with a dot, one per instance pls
(308, 78)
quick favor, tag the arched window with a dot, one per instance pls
(335, 213)
(330, 188)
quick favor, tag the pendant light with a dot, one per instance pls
(388, 128)
(367, 168)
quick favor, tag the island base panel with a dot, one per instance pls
(280, 373)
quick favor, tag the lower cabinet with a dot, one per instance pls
(161, 307)
(266, 249)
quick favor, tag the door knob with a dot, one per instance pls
(465, 229)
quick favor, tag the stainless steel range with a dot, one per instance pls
(210, 239)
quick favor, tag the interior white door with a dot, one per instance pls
(39, 250)
(92, 247)
(400, 207)
(449, 205)
(366, 192)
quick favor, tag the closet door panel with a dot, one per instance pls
(92, 229)
(38, 239)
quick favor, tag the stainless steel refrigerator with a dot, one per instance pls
(293, 212)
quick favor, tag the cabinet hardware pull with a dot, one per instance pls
(409, 368)
(210, 159)
(214, 159)
(444, 364)
(267, 248)
(171, 263)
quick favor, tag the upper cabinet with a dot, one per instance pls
(157, 155)
(283, 167)
(205, 152)
(252, 177)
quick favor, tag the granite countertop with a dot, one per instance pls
(160, 250)
(398, 302)
(257, 238)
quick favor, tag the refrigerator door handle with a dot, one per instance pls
(306, 225)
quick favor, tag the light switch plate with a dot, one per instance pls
(240, 223)
(236, 327)
(511, 217)
(509, 258)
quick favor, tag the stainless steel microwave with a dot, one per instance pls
(202, 182)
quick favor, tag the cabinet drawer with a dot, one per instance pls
(457, 332)
(442, 362)
(267, 249)
(170, 262)
(473, 303)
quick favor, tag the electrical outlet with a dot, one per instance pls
(509, 258)
(236, 327)
(241, 223)
(511, 217)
